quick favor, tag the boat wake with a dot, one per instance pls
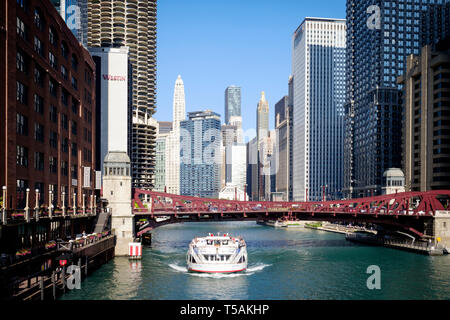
(250, 270)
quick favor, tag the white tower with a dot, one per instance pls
(173, 140)
(117, 190)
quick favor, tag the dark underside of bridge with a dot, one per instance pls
(411, 224)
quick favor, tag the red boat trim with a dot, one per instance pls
(217, 271)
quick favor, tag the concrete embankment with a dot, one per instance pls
(418, 246)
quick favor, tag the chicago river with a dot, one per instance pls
(284, 264)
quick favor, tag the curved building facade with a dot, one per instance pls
(132, 23)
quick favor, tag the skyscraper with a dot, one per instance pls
(200, 155)
(164, 129)
(426, 134)
(283, 141)
(173, 139)
(75, 14)
(232, 102)
(112, 102)
(263, 145)
(262, 118)
(318, 67)
(48, 110)
(435, 24)
(132, 23)
(380, 35)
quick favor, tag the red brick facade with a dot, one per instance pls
(36, 122)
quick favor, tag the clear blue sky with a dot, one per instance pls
(216, 43)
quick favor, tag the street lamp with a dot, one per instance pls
(50, 204)
(4, 205)
(27, 209)
(36, 207)
(63, 195)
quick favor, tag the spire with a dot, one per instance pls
(179, 102)
(263, 96)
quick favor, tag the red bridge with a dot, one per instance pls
(412, 212)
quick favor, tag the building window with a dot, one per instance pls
(74, 63)
(38, 20)
(38, 104)
(64, 97)
(74, 83)
(52, 60)
(64, 50)
(64, 72)
(21, 29)
(52, 36)
(39, 161)
(22, 93)
(64, 121)
(53, 114)
(23, 4)
(53, 140)
(21, 188)
(74, 172)
(64, 168)
(39, 132)
(65, 145)
(75, 106)
(52, 87)
(39, 76)
(38, 46)
(22, 125)
(53, 164)
(74, 149)
(21, 61)
(22, 156)
(74, 128)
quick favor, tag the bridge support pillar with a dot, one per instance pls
(117, 190)
(441, 228)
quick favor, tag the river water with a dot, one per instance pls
(283, 264)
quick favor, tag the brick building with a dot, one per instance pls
(47, 109)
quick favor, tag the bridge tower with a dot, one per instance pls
(117, 190)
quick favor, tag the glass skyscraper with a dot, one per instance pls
(75, 14)
(200, 155)
(232, 103)
(380, 35)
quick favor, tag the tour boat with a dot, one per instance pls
(217, 254)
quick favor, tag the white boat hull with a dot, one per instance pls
(215, 268)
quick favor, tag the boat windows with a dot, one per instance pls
(225, 242)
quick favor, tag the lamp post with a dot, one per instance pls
(74, 203)
(36, 207)
(92, 204)
(4, 218)
(63, 195)
(50, 204)
(84, 205)
(27, 209)
(95, 204)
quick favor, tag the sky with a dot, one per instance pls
(213, 44)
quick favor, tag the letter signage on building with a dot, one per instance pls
(87, 177)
